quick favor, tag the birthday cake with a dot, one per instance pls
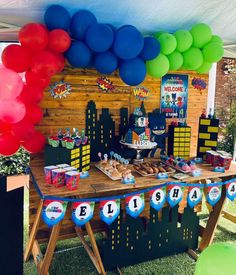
(138, 132)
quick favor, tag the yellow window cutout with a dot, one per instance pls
(204, 136)
(204, 149)
(213, 129)
(176, 129)
(205, 122)
(210, 143)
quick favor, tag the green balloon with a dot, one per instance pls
(168, 43)
(213, 52)
(158, 66)
(184, 40)
(216, 38)
(217, 259)
(157, 34)
(175, 60)
(201, 35)
(205, 68)
(193, 59)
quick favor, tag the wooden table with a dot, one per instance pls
(99, 185)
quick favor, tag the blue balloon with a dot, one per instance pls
(99, 37)
(112, 27)
(151, 48)
(128, 42)
(106, 62)
(132, 71)
(80, 23)
(57, 17)
(78, 55)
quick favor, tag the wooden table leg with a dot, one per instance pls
(94, 246)
(45, 264)
(209, 231)
(229, 216)
(33, 232)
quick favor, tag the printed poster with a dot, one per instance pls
(174, 95)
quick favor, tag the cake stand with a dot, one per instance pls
(139, 148)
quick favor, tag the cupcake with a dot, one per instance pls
(63, 141)
(55, 142)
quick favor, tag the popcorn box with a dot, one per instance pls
(225, 161)
(72, 180)
(63, 166)
(58, 177)
(70, 168)
(48, 173)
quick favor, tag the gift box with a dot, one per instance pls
(72, 180)
(48, 173)
(58, 177)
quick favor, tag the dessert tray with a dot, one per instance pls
(150, 169)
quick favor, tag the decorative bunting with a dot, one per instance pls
(83, 209)
(82, 212)
(158, 198)
(109, 210)
(231, 189)
(175, 193)
(134, 205)
(194, 195)
(53, 211)
(213, 193)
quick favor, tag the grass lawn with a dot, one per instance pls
(70, 257)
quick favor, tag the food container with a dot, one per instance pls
(58, 177)
(215, 159)
(225, 162)
(72, 180)
(63, 166)
(70, 168)
(209, 155)
(48, 173)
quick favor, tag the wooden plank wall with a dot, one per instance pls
(70, 112)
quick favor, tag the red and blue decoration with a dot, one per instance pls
(60, 89)
(175, 194)
(53, 211)
(213, 193)
(194, 195)
(109, 210)
(199, 84)
(158, 198)
(82, 212)
(135, 205)
(104, 84)
(231, 189)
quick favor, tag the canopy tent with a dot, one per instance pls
(148, 16)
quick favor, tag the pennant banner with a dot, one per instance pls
(82, 212)
(175, 193)
(158, 198)
(194, 195)
(231, 189)
(54, 208)
(53, 211)
(109, 210)
(134, 205)
(213, 194)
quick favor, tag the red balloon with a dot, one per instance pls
(9, 145)
(45, 63)
(34, 37)
(16, 58)
(12, 111)
(59, 40)
(35, 143)
(22, 130)
(31, 94)
(4, 127)
(36, 79)
(34, 114)
(61, 62)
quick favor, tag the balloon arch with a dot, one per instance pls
(85, 43)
